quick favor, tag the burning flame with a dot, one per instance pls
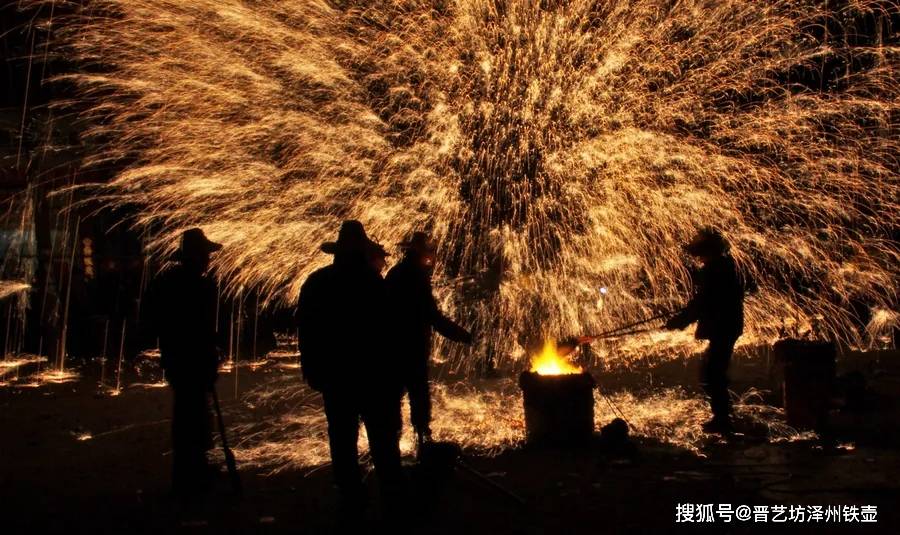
(550, 362)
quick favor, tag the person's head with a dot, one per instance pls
(353, 244)
(376, 256)
(421, 249)
(707, 244)
(195, 250)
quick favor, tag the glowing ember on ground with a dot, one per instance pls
(20, 361)
(158, 384)
(286, 427)
(56, 376)
(10, 368)
(282, 353)
(550, 362)
(150, 354)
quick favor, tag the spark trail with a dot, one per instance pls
(552, 147)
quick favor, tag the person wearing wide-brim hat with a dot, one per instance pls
(181, 308)
(196, 246)
(352, 239)
(718, 309)
(414, 315)
(345, 355)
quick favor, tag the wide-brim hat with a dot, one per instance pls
(352, 238)
(419, 242)
(195, 242)
(707, 242)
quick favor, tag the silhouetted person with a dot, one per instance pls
(182, 310)
(414, 314)
(718, 309)
(344, 354)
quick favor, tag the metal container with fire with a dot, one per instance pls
(559, 401)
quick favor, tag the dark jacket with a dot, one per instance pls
(718, 304)
(181, 308)
(341, 328)
(414, 313)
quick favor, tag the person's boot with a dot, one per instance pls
(351, 512)
(423, 437)
(717, 425)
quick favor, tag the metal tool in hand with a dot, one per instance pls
(229, 455)
(568, 346)
(623, 330)
(626, 329)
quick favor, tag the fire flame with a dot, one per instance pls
(550, 362)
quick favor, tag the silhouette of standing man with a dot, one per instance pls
(344, 355)
(182, 310)
(414, 314)
(718, 309)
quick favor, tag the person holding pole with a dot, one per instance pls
(718, 309)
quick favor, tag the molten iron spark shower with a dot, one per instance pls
(552, 148)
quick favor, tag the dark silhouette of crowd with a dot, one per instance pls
(365, 340)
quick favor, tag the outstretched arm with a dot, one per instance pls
(445, 326)
(686, 316)
(449, 329)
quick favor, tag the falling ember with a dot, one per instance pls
(550, 362)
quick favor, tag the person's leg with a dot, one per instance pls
(715, 379)
(383, 420)
(207, 428)
(179, 440)
(190, 438)
(343, 432)
(419, 400)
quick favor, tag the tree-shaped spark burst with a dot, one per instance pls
(552, 147)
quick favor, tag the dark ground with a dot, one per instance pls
(117, 482)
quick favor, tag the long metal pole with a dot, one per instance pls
(634, 324)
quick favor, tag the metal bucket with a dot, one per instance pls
(559, 409)
(809, 369)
